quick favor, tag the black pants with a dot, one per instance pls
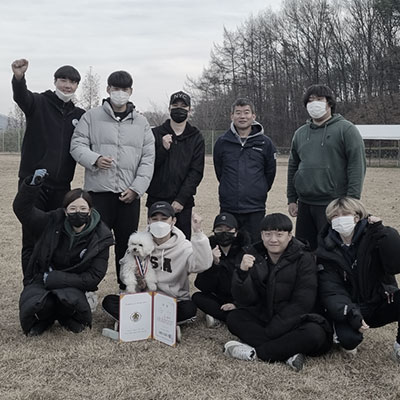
(69, 306)
(210, 304)
(249, 222)
(184, 221)
(309, 338)
(310, 220)
(375, 317)
(186, 308)
(122, 218)
(48, 199)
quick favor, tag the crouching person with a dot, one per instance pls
(276, 286)
(173, 259)
(358, 258)
(70, 258)
(215, 296)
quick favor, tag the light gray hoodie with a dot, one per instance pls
(175, 259)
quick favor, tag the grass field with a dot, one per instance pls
(61, 365)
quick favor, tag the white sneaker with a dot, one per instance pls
(296, 362)
(352, 352)
(93, 300)
(178, 334)
(212, 322)
(240, 351)
(396, 352)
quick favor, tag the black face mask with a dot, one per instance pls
(78, 219)
(179, 114)
(224, 238)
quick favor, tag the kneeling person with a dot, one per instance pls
(173, 259)
(276, 287)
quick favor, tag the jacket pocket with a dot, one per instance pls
(310, 182)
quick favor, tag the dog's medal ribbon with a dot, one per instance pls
(142, 267)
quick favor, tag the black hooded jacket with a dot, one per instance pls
(358, 276)
(50, 123)
(218, 279)
(179, 170)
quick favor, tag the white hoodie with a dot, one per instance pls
(176, 258)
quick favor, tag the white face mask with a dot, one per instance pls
(344, 225)
(119, 98)
(65, 97)
(159, 229)
(316, 109)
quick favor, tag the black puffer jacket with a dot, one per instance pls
(179, 170)
(218, 279)
(282, 294)
(48, 227)
(362, 274)
(49, 126)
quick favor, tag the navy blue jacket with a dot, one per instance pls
(245, 170)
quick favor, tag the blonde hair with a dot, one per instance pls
(345, 205)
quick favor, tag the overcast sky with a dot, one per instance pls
(160, 42)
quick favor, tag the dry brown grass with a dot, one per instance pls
(62, 365)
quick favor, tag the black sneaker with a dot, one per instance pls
(72, 325)
(39, 327)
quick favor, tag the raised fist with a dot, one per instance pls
(19, 67)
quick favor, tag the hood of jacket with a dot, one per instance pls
(232, 135)
(189, 131)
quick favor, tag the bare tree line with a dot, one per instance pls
(353, 46)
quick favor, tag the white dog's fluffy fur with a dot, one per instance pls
(140, 244)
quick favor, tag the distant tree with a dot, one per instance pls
(156, 116)
(14, 132)
(90, 89)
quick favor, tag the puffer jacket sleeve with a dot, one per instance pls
(145, 170)
(270, 163)
(85, 281)
(201, 259)
(80, 148)
(388, 244)
(243, 289)
(335, 297)
(30, 217)
(301, 301)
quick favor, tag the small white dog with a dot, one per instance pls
(136, 271)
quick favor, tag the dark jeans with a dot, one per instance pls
(186, 308)
(210, 304)
(184, 221)
(310, 220)
(375, 317)
(309, 338)
(249, 222)
(122, 218)
(48, 199)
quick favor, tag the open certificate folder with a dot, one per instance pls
(147, 315)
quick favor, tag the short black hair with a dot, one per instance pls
(320, 91)
(120, 79)
(74, 194)
(241, 102)
(68, 72)
(276, 222)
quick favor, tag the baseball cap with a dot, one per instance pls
(180, 96)
(161, 207)
(225, 219)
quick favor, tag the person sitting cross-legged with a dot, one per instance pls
(215, 297)
(276, 288)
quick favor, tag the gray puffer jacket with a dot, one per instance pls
(130, 143)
